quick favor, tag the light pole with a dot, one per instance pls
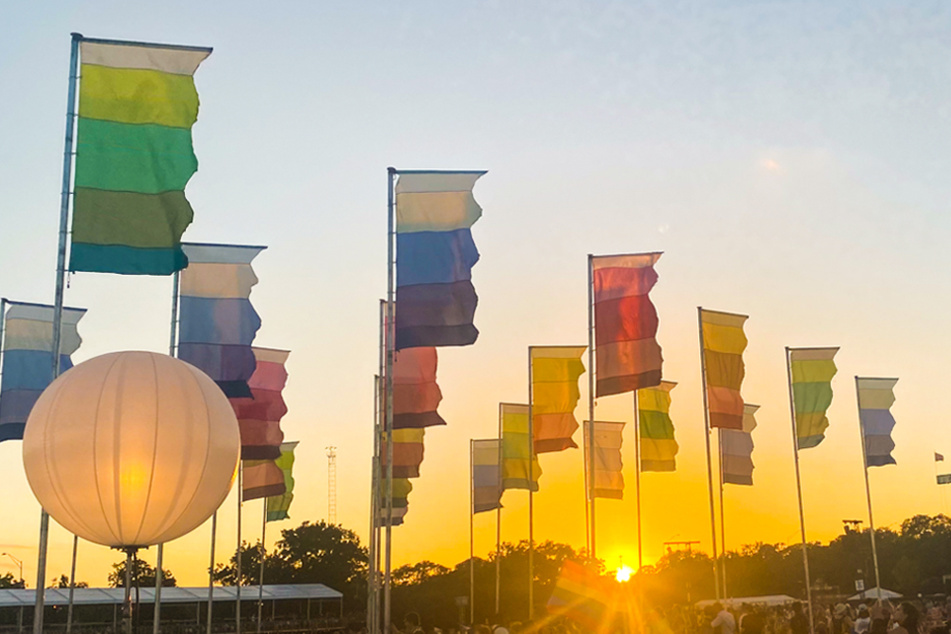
(17, 562)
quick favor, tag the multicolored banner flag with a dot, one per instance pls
(628, 356)
(875, 397)
(723, 346)
(658, 447)
(259, 417)
(944, 478)
(555, 393)
(401, 490)
(736, 450)
(217, 322)
(520, 468)
(812, 370)
(486, 475)
(407, 452)
(608, 479)
(134, 155)
(278, 506)
(583, 596)
(938, 457)
(261, 479)
(416, 395)
(435, 253)
(28, 359)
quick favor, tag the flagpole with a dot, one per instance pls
(802, 517)
(706, 436)
(160, 551)
(498, 519)
(372, 577)
(637, 480)
(868, 492)
(211, 570)
(237, 583)
(388, 393)
(722, 516)
(531, 510)
(471, 536)
(261, 577)
(72, 586)
(38, 611)
(589, 450)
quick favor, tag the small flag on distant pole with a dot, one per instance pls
(938, 457)
(486, 475)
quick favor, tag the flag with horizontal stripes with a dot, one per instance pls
(658, 446)
(812, 370)
(736, 450)
(486, 474)
(401, 490)
(723, 346)
(217, 323)
(875, 397)
(608, 480)
(259, 417)
(408, 452)
(938, 457)
(627, 354)
(520, 468)
(555, 371)
(435, 253)
(28, 359)
(279, 505)
(416, 395)
(944, 478)
(134, 156)
(261, 479)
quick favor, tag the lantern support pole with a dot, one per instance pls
(211, 571)
(127, 601)
(38, 610)
(72, 586)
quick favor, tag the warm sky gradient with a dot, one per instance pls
(790, 158)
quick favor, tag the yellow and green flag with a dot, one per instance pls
(520, 469)
(134, 156)
(277, 506)
(811, 370)
(658, 447)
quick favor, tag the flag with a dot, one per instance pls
(277, 506)
(401, 490)
(736, 450)
(28, 359)
(583, 596)
(944, 478)
(259, 417)
(261, 479)
(938, 457)
(407, 452)
(486, 475)
(723, 346)
(658, 447)
(435, 253)
(415, 392)
(875, 397)
(628, 356)
(520, 469)
(134, 155)
(812, 370)
(217, 322)
(608, 480)
(555, 393)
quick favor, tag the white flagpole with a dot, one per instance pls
(531, 510)
(589, 449)
(722, 517)
(211, 571)
(237, 583)
(498, 520)
(637, 479)
(868, 492)
(706, 436)
(388, 394)
(261, 577)
(471, 533)
(802, 517)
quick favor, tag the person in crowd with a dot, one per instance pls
(752, 622)
(863, 621)
(880, 613)
(723, 620)
(841, 620)
(798, 624)
(906, 617)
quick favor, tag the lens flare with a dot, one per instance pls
(623, 574)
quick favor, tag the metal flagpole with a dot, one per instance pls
(471, 536)
(388, 393)
(588, 456)
(531, 510)
(802, 517)
(211, 570)
(589, 449)
(72, 586)
(498, 519)
(261, 577)
(372, 585)
(637, 480)
(722, 516)
(868, 493)
(706, 436)
(237, 583)
(58, 303)
(159, 575)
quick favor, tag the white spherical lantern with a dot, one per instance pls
(131, 449)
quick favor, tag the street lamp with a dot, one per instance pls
(17, 562)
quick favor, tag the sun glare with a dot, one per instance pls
(623, 574)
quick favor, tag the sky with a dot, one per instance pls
(789, 158)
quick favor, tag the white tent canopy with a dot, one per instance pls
(872, 594)
(766, 599)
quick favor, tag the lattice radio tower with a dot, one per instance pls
(332, 485)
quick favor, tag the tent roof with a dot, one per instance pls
(872, 593)
(766, 599)
(107, 596)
